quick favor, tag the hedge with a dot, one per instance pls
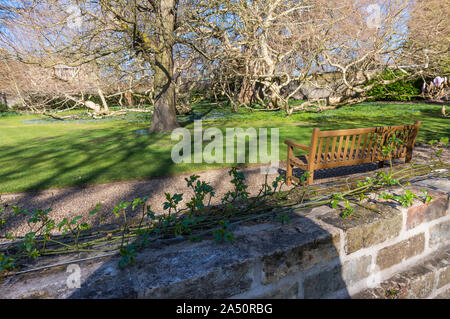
(397, 91)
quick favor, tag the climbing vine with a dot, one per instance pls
(199, 219)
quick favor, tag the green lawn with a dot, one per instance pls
(36, 153)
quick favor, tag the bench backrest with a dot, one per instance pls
(363, 145)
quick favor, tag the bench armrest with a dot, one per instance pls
(297, 145)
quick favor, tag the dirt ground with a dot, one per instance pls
(72, 201)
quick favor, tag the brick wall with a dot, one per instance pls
(318, 255)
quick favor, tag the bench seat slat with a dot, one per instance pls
(340, 164)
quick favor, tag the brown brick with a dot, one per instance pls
(367, 228)
(324, 283)
(414, 283)
(356, 269)
(287, 291)
(444, 276)
(437, 208)
(440, 234)
(371, 234)
(301, 257)
(418, 282)
(440, 262)
(370, 293)
(395, 254)
(443, 295)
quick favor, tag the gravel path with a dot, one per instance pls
(72, 201)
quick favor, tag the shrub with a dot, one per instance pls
(398, 91)
(4, 108)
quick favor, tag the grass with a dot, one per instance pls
(36, 153)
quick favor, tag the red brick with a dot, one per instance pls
(437, 208)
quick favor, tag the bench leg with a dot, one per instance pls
(289, 166)
(408, 157)
(289, 173)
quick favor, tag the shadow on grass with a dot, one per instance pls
(114, 155)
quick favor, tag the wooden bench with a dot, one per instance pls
(351, 147)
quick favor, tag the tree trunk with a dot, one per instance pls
(275, 101)
(164, 117)
(247, 93)
(129, 98)
(102, 97)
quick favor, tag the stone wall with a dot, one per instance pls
(10, 100)
(318, 255)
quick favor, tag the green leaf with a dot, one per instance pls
(74, 220)
(62, 223)
(95, 210)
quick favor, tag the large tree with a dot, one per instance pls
(122, 32)
(368, 40)
(241, 46)
(429, 37)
